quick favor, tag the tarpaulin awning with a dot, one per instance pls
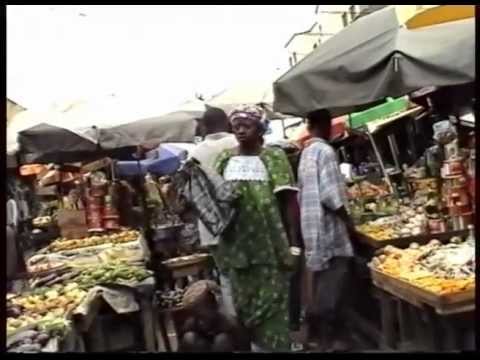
(250, 92)
(440, 14)
(374, 58)
(106, 124)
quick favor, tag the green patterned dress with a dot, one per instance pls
(254, 253)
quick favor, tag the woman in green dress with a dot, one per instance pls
(259, 250)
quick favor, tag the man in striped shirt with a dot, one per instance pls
(325, 229)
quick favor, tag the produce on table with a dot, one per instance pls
(121, 273)
(59, 276)
(42, 221)
(170, 299)
(42, 304)
(441, 269)
(46, 266)
(367, 189)
(37, 338)
(115, 238)
(409, 223)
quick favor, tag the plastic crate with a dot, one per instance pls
(359, 119)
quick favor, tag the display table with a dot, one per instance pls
(118, 312)
(413, 319)
(406, 241)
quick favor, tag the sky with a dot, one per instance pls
(146, 53)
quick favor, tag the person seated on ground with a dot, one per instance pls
(209, 329)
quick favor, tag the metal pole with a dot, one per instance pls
(394, 149)
(380, 161)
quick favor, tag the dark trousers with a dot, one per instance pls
(295, 299)
(326, 312)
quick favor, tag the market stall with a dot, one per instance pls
(432, 289)
(435, 209)
(125, 250)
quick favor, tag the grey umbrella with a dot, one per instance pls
(374, 58)
(106, 123)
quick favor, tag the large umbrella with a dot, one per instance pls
(163, 160)
(108, 124)
(374, 58)
(251, 92)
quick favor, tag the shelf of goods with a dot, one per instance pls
(411, 224)
(439, 275)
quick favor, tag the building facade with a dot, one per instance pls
(328, 20)
(301, 44)
(12, 109)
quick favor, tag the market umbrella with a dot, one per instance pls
(163, 160)
(440, 14)
(251, 92)
(79, 130)
(375, 58)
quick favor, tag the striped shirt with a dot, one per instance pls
(322, 192)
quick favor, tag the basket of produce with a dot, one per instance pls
(184, 261)
(170, 300)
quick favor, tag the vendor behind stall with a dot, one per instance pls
(209, 329)
(214, 127)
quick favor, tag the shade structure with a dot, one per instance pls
(251, 92)
(106, 124)
(164, 160)
(375, 58)
(440, 14)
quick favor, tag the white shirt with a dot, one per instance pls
(206, 153)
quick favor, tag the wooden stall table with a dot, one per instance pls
(415, 319)
(101, 317)
(180, 275)
(367, 297)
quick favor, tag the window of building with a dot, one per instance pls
(353, 12)
(345, 19)
(294, 57)
(320, 29)
(290, 60)
(314, 46)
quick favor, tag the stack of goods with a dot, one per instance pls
(440, 269)
(162, 201)
(365, 189)
(455, 192)
(471, 169)
(115, 238)
(409, 223)
(95, 199)
(42, 221)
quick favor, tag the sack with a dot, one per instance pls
(72, 223)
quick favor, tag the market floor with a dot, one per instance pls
(358, 343)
